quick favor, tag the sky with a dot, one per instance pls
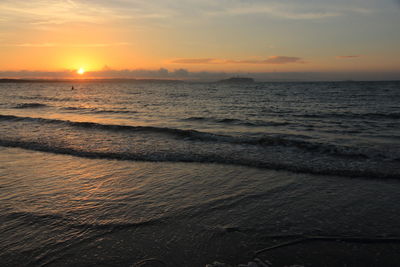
(207, 38)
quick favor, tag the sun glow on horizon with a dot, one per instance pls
(113, 39)
(80, 71)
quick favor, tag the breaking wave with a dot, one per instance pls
(198, 158)
(47, 98)
(148, 143)
(264, 141)
(352, 115)
(255, 123)
(30, 105)
(98, 110)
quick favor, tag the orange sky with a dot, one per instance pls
(231, 36)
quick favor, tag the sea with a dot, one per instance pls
(113, 173)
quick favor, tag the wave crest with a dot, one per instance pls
(30, 105)
(256, 123)
(264, 141)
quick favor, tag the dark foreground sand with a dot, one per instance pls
(60, 210)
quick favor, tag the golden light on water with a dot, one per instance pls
(80, 71)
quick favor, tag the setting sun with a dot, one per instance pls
(80, 71)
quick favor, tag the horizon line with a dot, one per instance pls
(44, 80)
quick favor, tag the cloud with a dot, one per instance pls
(45, 13)
(347, 57)
(106, 72)
(195, 61)
(293, 10)
(99, 44)
(281, 11)
(28, 74)
(33, 45)
(184, 74)
(68, 45)
(273, 60)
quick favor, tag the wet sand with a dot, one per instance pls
(60, 210)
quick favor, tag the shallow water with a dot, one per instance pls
(348, 129)
(112, 173)
(65, 210)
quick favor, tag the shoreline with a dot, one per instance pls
(112, 212)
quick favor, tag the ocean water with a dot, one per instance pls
(112, 173)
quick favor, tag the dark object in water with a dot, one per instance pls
(237, 80)
(72, 88)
